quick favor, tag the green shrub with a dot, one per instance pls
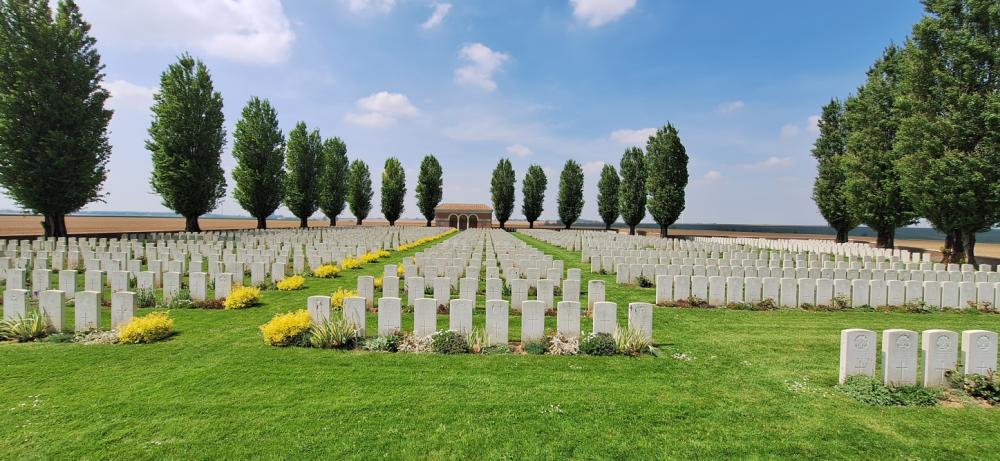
(60, 338)
(598, 344)
(449, 342)
(983, 387)
(145, 298)
(644, 282)
(182, 300)
(389, 343)
(24, 329)
(870, 391)
(496, 349)
(535, 347)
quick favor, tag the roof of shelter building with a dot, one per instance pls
(464, 207)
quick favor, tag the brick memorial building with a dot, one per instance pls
(463, 215)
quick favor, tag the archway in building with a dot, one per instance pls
(473, 221)
(453, 221)
(463, 222)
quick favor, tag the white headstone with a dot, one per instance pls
(424, 317)
(460, 316)
(595, 293)
(497, 321)
(52, 304)
(899, 357)
(122, 308)
(15, 303)
(467, 288)
(87, 309)
(67, 282)
(414, 290)
(571, 290)
(605, 318)
(532, 321)
(857, 353)
(640, 317)
(518, 293)
(979, 351)
(171, 286)
(389, 315)
(354, 313)
(940, 349)
(494, 288)
(197, 284)
(223, 285)
(366, 289)
(442, 290)
(568, 319)
(319, 309)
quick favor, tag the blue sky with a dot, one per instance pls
(537, 81)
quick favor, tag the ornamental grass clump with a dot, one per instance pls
(242, 298)
(288, 329)
(336, 333)
(146, 329)
(326, 271)
(631, 341)
(295, 282)
(24, 329)
(337, 298)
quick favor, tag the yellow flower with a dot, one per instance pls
(242, 297)
(146, 329)
(378, 282)
(400, 271)
(286, 329)
(350, 263)
(295, 282)
(337, 298)
(326, 271)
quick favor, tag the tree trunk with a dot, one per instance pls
(568, 225)
(428, 223)
(841, 235)
(262, 222)
(957, 249)
(970, 248)
(358, 223)
(531, 224)
(191, 224)
(501, 225)
(607, 226)
(392, 223)
(333, 221)
(303, 222)
(631, 229)
(885, 238)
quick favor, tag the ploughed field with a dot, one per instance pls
(728, 384)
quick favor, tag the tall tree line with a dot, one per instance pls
(920, 138)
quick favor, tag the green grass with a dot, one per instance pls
(216, 391)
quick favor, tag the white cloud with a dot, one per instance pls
(518, 150)
(370, 6)
(247, 31)
(440, 11)
(596, 13)
(712, 176)
(590, 168)
(730, 107)
(790, 131)
(482, 63)
(382, 109)
(630, 137)
(812, 125)
(129, 96)
(771, 163)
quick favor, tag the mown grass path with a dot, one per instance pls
(757, 385)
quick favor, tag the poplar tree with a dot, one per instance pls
(502, 191)
(666, 167)
(873, 188)
(333, 179)
(533, 190)
(429, 187)
(303, 157)
(828, 190)
(632, 190)
(259, 150)
(393, 190)
(359, 190)
(54, 145)
(570, 200)
(186, 139)
(607, 195)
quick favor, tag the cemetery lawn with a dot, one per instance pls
(729, 384)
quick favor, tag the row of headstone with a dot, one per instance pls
(630, 273)
(899, 354)
(86, 308)
(460, 313)
(790, 292)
